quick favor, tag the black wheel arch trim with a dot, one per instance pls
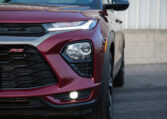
(111, 40)
(105, 73)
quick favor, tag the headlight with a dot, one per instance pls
(79, 56)
(78, 25)
(78, 51)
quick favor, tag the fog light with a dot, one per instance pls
(73, 95)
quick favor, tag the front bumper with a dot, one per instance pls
(47, 109)
(50, 46)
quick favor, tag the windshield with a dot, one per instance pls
(88, 3)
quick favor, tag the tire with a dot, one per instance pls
(104, 108)
(120, 78)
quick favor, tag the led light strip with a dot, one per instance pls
(82, 27)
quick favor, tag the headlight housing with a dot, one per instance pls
(68, 26)
(79, 56)
(78, 51)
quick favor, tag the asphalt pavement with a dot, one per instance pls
(144, 95)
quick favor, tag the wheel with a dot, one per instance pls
(119, 79)
(104, 109)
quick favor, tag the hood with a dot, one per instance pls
(17, 13)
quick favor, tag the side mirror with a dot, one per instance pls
(118, 5)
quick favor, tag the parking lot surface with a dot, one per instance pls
(144, 95)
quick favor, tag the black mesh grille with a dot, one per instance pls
(84, 69)
(23, 67)
(19, 102)
(22, 29)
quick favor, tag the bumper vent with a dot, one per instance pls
(22, 29)
(84, 69)
(6, 103)
(23, 67)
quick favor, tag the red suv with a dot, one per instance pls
(60, 57)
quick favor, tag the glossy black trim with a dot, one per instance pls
(117, 5)
(17, 29)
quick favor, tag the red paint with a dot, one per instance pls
(36, 14)
(50, 49)
(15, 50)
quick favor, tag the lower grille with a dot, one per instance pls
(19, 102)
(23, 67)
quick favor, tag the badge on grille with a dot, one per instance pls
(16, 50)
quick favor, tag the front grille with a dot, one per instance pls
(22, 29)
(23, 67)
(19, 102)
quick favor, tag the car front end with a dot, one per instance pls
(59, 57)
(49, 65)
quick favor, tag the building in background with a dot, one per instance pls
(145, 14)
(145, 24)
